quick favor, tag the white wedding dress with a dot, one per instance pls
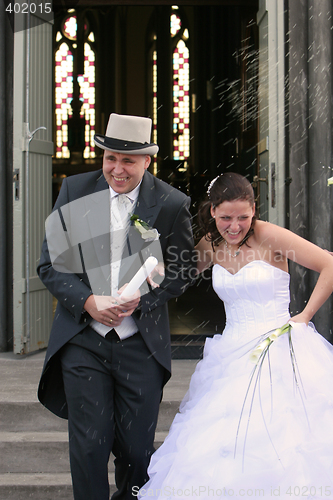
(247, 430)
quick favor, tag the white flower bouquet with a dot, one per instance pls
(261, 350)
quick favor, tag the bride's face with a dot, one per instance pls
(233, 220)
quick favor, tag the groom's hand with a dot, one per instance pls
(103, 309)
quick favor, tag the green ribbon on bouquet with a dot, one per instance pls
(263, 347)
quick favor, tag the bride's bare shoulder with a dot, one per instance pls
(204, 244)
(264, 230)
(204, 254)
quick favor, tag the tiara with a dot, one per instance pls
(211, 184)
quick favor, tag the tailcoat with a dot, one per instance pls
(162, 207)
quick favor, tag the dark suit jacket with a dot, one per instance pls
(163, 208)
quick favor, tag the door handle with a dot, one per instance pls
(257, 179)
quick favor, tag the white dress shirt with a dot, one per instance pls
(119, 223)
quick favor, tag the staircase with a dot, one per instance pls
(33, 442)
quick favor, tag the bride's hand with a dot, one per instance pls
(300, 318)
(158, 270)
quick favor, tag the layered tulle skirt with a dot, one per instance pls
(248, 430)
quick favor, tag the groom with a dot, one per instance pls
(107, 361)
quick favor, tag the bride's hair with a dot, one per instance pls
(226, 187)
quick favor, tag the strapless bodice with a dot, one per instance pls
(256, 298)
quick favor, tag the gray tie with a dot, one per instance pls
(121, 209)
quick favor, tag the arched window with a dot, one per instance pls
(181, 87)
(74, 93)
(179, 82)
(87, 85)
(154, 82)
(63, 97)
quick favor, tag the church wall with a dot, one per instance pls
(309, 134)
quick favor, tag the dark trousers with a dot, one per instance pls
(113, 390)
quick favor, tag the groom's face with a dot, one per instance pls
(123, 172)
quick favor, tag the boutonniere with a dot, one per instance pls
(147, 233)
(330, 181)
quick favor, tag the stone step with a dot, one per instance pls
(34, 454)
(50, 437)
(27, 417)
(39, 486)
(36, 465)
(41, 452)
(34, 459)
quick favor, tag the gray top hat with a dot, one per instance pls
(128, 135)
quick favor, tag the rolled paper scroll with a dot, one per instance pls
(139, 277)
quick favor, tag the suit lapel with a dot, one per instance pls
(147, 207)
(98, 227)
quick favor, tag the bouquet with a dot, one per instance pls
(261, 350)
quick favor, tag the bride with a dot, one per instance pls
(257, 419)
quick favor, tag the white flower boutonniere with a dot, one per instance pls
(147, 233)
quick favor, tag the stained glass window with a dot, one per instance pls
(180, 82)
(64, 88)
(87, 86)
(70, 28)
(181, 94)
(63, 97)
(175, 24)
(155, 96)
